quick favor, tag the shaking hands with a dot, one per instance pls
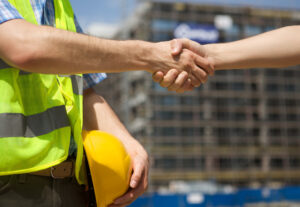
(192, 69)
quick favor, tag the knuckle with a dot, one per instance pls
(190, 56)
(184, 74)
(145, 159)
(188, 64)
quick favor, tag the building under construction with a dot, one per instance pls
(240, 128)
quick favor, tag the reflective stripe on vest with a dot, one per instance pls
(34, 125)
(38, 112)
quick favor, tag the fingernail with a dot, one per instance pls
(133, 183)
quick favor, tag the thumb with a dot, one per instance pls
(176, 46)
(179, 44)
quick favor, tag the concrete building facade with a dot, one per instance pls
(241, 127)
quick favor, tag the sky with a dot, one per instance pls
(104, 12)
(109, 14)
(283, 4)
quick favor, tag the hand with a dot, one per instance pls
(178, 81)
(161, 59)
(139, 178)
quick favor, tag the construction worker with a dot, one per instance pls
(274, 49)
(42, 57)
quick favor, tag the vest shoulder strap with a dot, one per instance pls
(25, 9)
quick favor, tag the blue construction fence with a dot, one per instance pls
(237, 199)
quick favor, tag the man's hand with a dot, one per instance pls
(98, 115)
(180, 82)
(139, 178)
(170, 64)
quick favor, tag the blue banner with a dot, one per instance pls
(203, 34)
(240, 198)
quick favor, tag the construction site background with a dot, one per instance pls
(240, 129)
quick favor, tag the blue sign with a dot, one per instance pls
(240, 198)
(203, 34)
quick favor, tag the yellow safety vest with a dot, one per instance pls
(39, 112)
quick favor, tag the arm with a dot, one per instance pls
(99, 116)
(45, 49)
(276, 49)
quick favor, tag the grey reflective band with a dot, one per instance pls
(77, 84)
(22, 72)
(4, 65)
(18, 125)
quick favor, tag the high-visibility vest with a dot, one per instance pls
(39, 112)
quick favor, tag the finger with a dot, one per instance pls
(136, 176)
(187, 86)
(200, 74)
(192, 46)
(158, 76)
(128, 196)
(204, 63)
(169, 78)
(145, 178)
(180, 80)
(176, 47)
(195, 81)
(131, 195)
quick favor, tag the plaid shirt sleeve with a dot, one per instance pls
(90, 79)
(8, 12)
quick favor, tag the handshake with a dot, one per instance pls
(185, 67)
(188, 64)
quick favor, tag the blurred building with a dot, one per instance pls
(241, 127)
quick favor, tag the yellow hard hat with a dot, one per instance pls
(110, 166)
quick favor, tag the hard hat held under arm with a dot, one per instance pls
(110, 166)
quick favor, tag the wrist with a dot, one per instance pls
(142, 55)
(212, 55)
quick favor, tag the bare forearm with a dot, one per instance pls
(98, 115)
(278, 48)
(48, 50)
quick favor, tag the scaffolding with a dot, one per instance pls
(240, 128)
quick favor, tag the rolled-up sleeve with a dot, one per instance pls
(92, 79)
(8, 12)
